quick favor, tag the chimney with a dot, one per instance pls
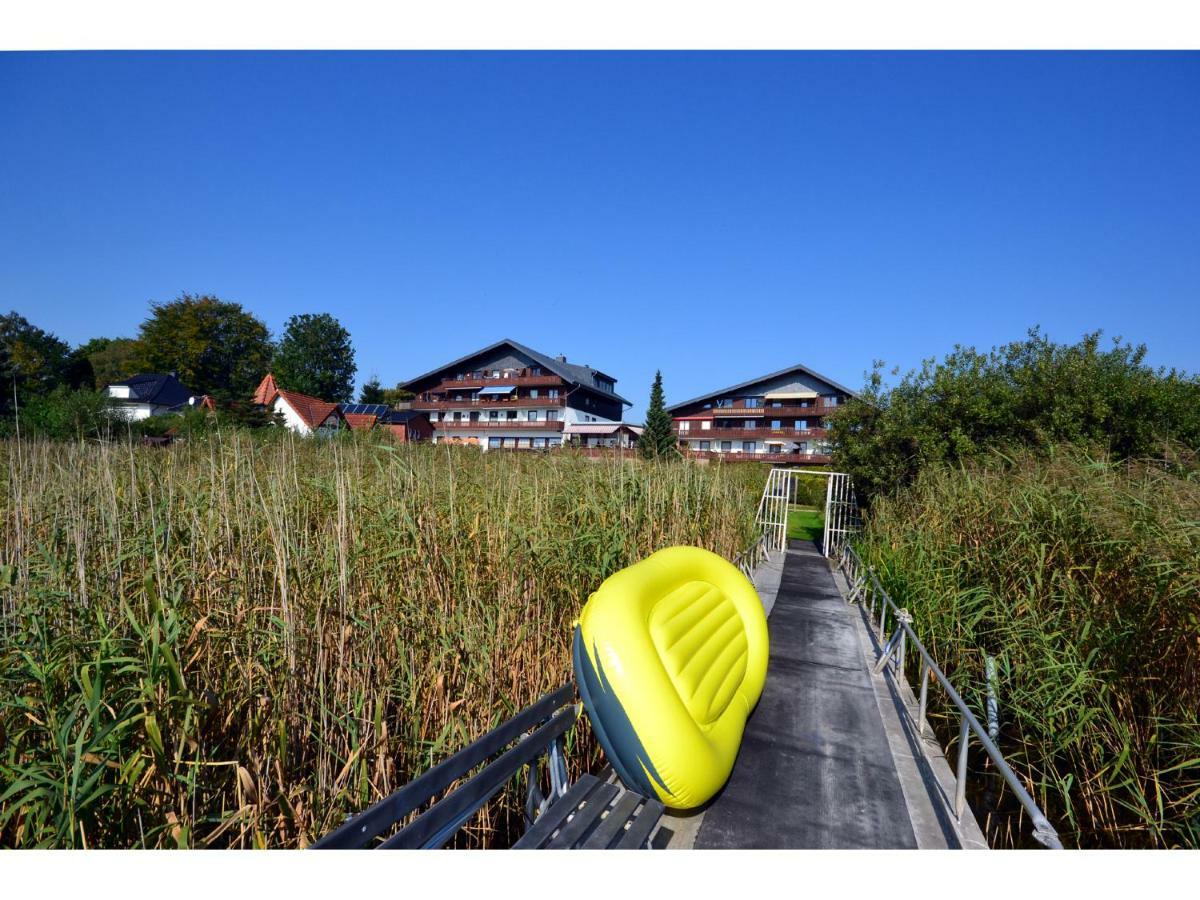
(562, 357)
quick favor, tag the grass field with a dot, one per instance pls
(805, 523)
(1082, 578)
(237, 641)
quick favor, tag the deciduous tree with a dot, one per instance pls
(213, 346)
(315, 357)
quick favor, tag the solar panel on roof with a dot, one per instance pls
(365, 409)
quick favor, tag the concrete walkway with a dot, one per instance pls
(830, 757)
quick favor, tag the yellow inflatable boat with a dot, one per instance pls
(670, 655)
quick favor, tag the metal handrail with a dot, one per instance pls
(862, 587)
(753, 556)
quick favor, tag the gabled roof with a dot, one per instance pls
(753, 381)
(575, 374)
(360, 421)
(312, 412)
(161, 390)
(264, 394)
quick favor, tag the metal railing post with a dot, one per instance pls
(924, 697)
(960, 788)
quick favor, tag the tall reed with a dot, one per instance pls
(237, 641)
(1082, 577)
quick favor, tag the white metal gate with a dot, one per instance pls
(841, 508)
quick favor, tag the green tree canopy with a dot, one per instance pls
(33, 362)
(111, 359)
(394, 396)
(657, 439)
(315, 357)
(1030, 393)
(371, 391)
(213, 346)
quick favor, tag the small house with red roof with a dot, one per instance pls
(301, 413)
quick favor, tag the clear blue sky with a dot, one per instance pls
(715, 215)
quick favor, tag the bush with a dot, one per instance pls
(66, 415)
(1031, 393)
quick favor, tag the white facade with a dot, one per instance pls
(133, 410)
(293, 420)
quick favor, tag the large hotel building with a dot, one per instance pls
(779, 417)
(507, 396)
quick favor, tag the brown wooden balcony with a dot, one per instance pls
(498, 425)
(450, 384)
(751, 434)
(743, 412)
(489, 403)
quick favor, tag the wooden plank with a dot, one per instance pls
(586, 818)
(614, 823)
(437, 824)
(387, 812)
(639, 832)
(552, 819)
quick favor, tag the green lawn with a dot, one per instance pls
(805, 523)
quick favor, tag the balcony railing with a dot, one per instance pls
(490, 403)
(500, 381)
(820, 409)
(811, 459)
(498, 424)
(751, 434)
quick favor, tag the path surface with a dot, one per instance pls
(815, 769)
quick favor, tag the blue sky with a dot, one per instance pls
(717, 216)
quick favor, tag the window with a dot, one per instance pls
(493, 442)
(803, 447)
(704, 445)
(474, 416)
(552, 393)
(539, 443)
(552, 415)
(750, 423)
(535, 370)
(685, 426)
(523, 442)
(554, 442)
(706, 425)
(533, 393)
(776, 404)
(726, 446)
(831, 401)
(493, 414)
(433, 417)
(724, 404)
(804, 404)
(753, 402)
(748, 446)
(802, 424)
(510, 415)
(457, 416)
(531, 415)
(495, 373)
(776, 424)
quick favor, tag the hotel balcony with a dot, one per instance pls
(751, 434)
(460, 384)
(793, 409)
(499, 425)
(489, 403)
